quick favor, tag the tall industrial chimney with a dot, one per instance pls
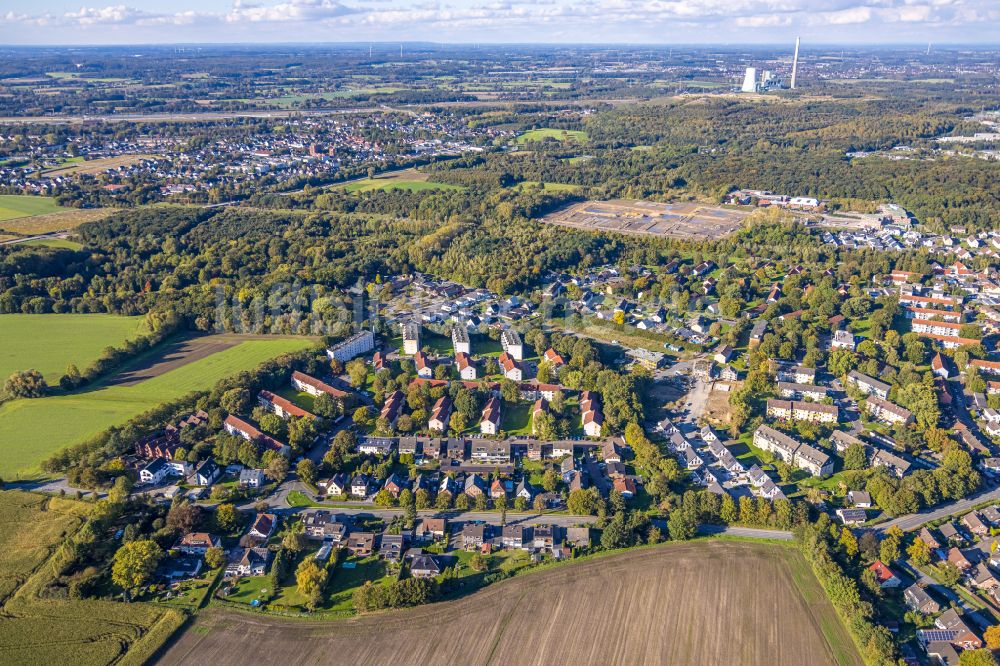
(795, 63)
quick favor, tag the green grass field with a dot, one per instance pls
(50, 342)
(32, 430)
(386, 184)
(13, 206)
(549, 187)
(575, 136)
(54, 242)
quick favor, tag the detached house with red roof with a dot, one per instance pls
(886, 577)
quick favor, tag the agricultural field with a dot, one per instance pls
(98, 166)
(573, 136)
(65, 218)
(38, 631)
(410, 180)
(629, 591)
(32, 430)
(13, 206)
(50, 342)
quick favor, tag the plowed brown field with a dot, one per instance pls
(708, 602)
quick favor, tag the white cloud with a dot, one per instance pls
(514, 20)
(292, 10)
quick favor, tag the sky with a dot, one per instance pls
(869, 22)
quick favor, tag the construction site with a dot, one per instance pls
(670, 220)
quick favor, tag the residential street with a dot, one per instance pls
(914, 520)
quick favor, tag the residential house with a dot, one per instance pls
(852, 516)
(975, 524)
(154, 472)
(490, 422)
(425, 566)
(411, 338)
(957, 557)
(249, 562)
(860, 499)
(428, 529)
(283, 408)
(802, 411)
(361, 342)
(314, 387)
(252, 478)
(887, 412)
(515, 536)
(510, 367)
(917, 599)
(391, 547)
(263, 526)
(460, 340)
(868, 385)
(197, 543)
(510, 340)
(590, 413)
(440, 415)
(885, 576)
(474, 535)
(393, 407)
(423, 366)
(466, 368)
(360, 486)
(361, 544)
(206, 473)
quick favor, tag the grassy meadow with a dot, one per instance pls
(386, 183)
(48, 343)
(45, 631)
(575, 136)
(32, 430)
(13, 206)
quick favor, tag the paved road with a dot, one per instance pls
(49, 236)
(914, 520)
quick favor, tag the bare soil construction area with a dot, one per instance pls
(707, 602)
(671, 220)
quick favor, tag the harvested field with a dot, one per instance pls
(674, 220)
(405, 179)
(666, 605)
(94, 167)
(177, 354)
(69, 218)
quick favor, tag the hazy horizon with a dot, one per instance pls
(495, 22)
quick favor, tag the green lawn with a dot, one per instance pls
(342, 582)
(50, 342)
(32, 430)
(515, 419)
(248, 589)
(436, 343)
(300, 398)
(16, 205)
(576, 136)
